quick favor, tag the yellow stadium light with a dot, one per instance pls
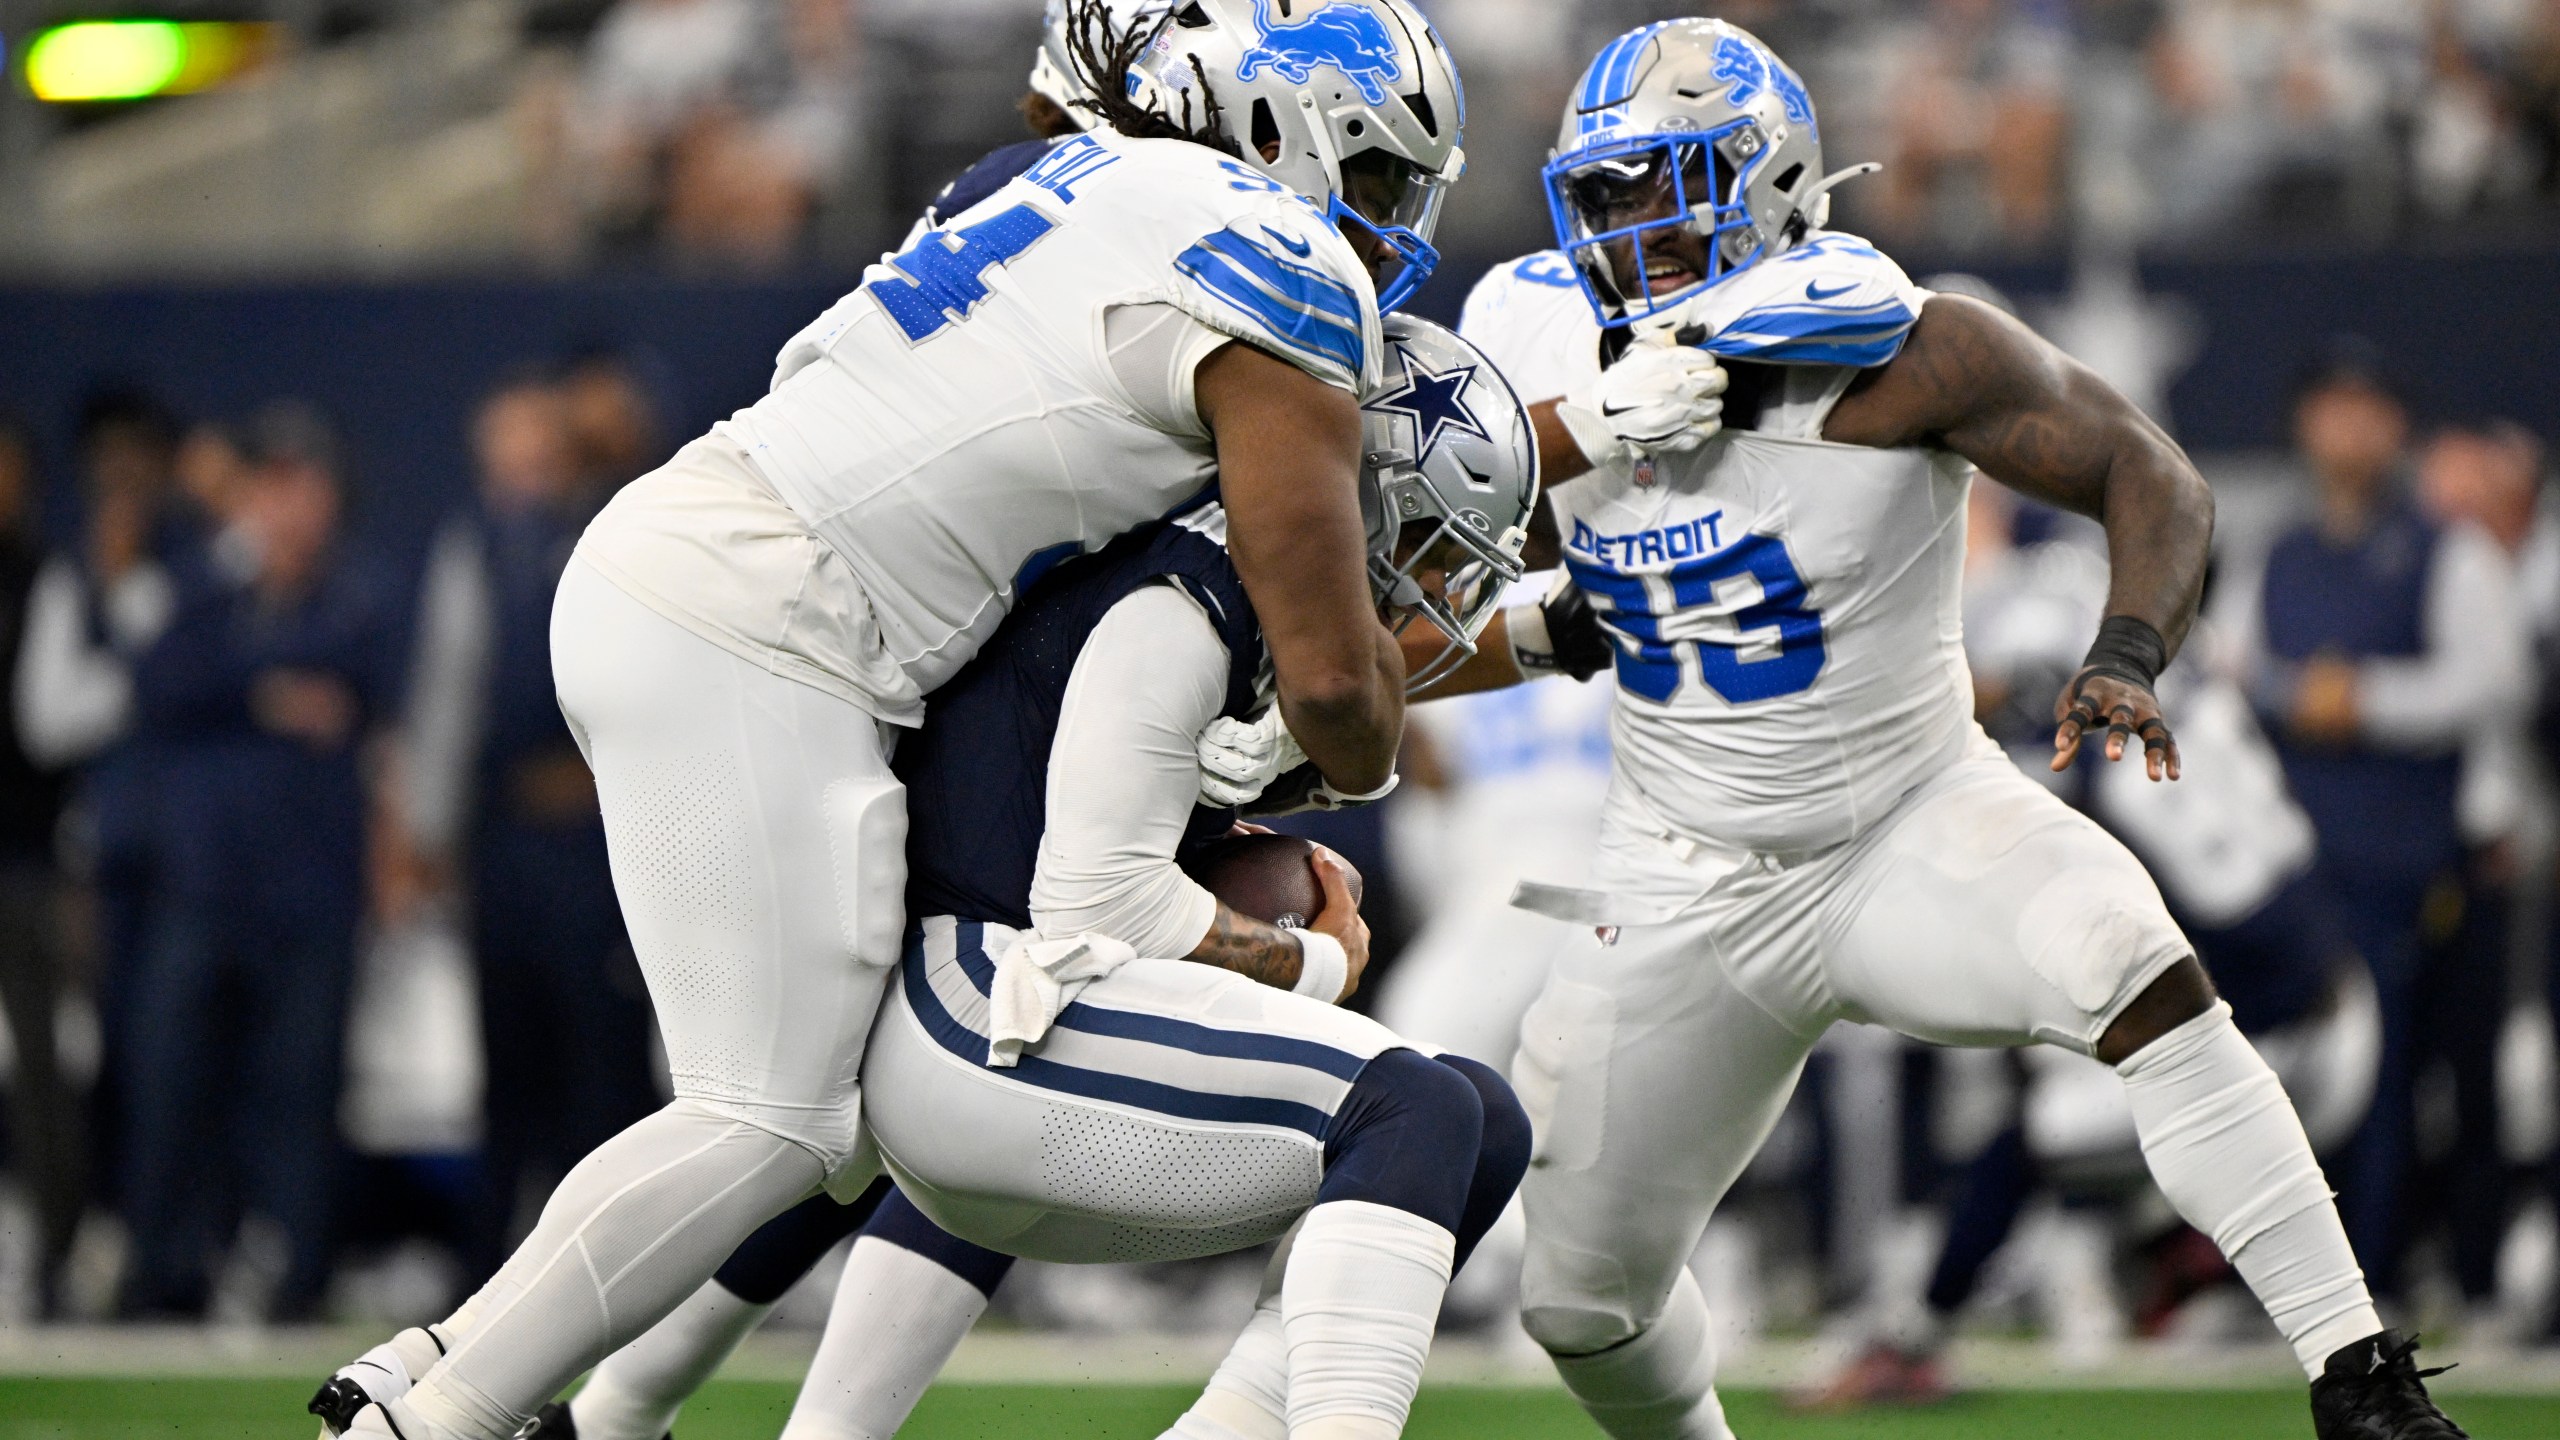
(95, 60)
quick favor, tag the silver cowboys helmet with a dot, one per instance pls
(1449, 477)
(1357, 102)
(1684, 125)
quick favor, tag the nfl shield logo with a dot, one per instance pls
(1644, 472)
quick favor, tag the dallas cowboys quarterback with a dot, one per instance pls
(1805, 824)
(740, 633)
(1171, 1108)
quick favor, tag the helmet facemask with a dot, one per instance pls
(1430, 561)
(1663, 200)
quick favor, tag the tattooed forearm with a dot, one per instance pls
(1978, 383)
(1250, 948)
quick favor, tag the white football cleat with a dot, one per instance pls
(385, 1372)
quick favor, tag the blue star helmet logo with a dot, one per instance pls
(1435, 400)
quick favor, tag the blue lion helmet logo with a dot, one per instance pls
(1348, 37)
(1738, 62)
(1791, 94)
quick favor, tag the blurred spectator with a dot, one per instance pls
(615, 432)
(717, 125)
(1978, 120)
(44, 1119)
(497, 790)
(91, 611)
(2383, 644)
(2487, 479)
(256, 699)
(2260, 98)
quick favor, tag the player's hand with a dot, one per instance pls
(1658, 399)
(1340, 918)
(1561, 634)
(1240, 758)
(2126, 711)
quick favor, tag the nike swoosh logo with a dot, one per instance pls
(1299, 248)
(1614, 411)
(1815, 292)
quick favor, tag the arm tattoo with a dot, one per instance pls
(1259, 952)
(1974, 381)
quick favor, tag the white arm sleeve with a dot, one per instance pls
(73, 699)
(448, 691)
(2472, 675)
(1124, 775)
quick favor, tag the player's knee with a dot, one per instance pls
(2180, 994)
(898, 1222)
(1502, 1154)
(1569, 1329)
(1407, 1135)
(830, 1133)
(1576, 1300)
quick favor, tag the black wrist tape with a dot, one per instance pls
(2127, 649)
(1581, 647)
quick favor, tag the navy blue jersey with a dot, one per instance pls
(993, 172)
(977, 773)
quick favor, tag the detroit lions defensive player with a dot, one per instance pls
(1805, 824)
(1174, 1109)
(742, 631)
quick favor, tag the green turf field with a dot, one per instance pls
(225, 1409)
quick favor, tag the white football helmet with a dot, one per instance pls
(1357, 102)
(1702, 115)
(1449, 477)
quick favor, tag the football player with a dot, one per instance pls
(1174, 1108)
(1805, 823)
(1190, 290)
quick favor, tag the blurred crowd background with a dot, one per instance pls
(310, 376)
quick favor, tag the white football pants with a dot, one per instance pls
(757, 841)
(1981, 911)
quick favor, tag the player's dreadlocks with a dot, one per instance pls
(1103, 53)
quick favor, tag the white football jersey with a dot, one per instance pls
(1786, 611)
(1788, 625)
(1530, 316)
(955, 426)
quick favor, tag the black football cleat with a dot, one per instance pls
(553, 1422)
(336, 1404)
(2374, 1390)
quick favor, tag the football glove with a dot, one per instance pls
(1560, 635)
(1240, 758)
(1659, 398)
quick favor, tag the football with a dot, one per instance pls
(1269, 877)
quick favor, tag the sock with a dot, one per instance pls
(632, 1230)
(1659, 1385)
(1357, 1306)
(896, 1319)
(2226, 1148)
(636, 1392)
(1248, 1397)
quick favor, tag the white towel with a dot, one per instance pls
(1035, 979)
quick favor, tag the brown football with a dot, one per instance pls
(1271, 878)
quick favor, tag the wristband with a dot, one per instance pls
(1531, 650)
(1323, 966)
(2127, 649)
